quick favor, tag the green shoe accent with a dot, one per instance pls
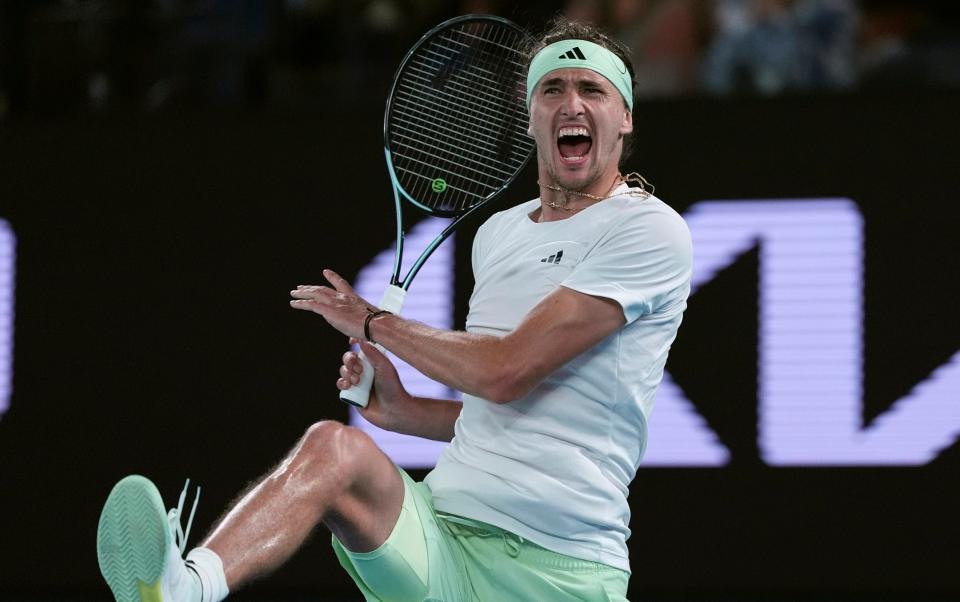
(150, 593)
(133, 537)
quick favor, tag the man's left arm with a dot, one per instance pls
(559, 328)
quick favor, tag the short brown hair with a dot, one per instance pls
(561, 28)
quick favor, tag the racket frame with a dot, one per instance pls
(393, 296)
(398, 190)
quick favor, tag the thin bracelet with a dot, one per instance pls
(366, 322)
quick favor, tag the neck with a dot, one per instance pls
(557, 202)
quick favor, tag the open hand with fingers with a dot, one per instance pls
(340, 305)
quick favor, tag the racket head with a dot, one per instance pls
(455, 125)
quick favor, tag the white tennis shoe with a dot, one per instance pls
(140, 546)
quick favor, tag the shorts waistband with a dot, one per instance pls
(515, 545)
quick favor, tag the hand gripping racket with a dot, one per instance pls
(454, 133)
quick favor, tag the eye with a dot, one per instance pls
(551, 90)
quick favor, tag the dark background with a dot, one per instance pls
(155, 249)
(153, 333)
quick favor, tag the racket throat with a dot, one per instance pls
(392, 300)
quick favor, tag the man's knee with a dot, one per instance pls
(333, 445)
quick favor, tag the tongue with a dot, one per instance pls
(574, 146)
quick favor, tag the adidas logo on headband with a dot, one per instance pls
(573, 53)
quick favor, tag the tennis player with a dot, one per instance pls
(578, 297)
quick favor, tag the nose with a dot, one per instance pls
(572, 104)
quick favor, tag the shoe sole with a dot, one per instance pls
(132, 540)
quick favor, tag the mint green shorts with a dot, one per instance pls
(435, 557)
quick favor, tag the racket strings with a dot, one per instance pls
(467, 115)
(480, 104)
(478, 175)
(459, 118)
(457, 123)
(483, 154)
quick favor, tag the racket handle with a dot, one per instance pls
(359, 394)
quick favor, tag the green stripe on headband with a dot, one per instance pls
(580, 54)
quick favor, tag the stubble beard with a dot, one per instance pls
(592, 177)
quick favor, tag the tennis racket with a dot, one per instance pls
(455, 135)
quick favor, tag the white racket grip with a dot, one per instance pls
(359, 394)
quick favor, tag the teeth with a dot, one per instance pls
(574, 131)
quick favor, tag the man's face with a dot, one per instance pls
(578, 119)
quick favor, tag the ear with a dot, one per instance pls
(627, 126)
(530, 127)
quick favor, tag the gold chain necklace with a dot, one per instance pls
(632, 177)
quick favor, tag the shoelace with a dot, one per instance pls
(174, 518)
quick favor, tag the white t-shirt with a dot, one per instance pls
(554, 466)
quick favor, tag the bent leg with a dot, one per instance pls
(337, 475)
(400, 568)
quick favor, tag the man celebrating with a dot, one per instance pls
(578, 297)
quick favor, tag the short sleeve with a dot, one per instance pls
(482, 245)
(478, 246)
(643, 263)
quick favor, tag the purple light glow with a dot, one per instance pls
(7, 262)
(810, 356)
(810, 345)
(678, 435)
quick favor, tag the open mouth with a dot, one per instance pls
(574, 143)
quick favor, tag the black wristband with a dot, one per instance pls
(366, 322)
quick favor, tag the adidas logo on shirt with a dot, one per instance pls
(555, 258)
